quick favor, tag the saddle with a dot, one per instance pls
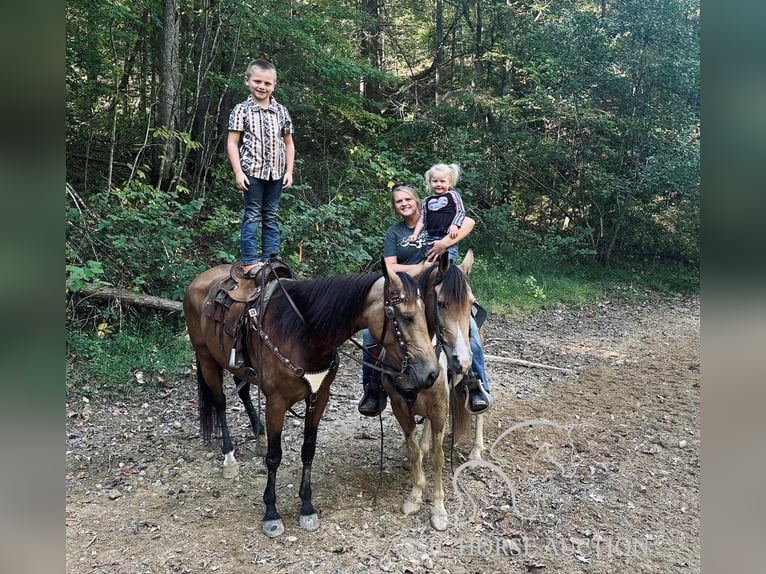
(228, 299)
(245, 289)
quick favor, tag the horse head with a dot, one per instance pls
(400, 325)
(449, 298)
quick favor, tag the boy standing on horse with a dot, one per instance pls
(261, 153)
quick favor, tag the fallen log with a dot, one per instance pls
(163, 304)
(131, 298)
(523, 363)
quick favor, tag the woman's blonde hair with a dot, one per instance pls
(452, 170)
(406, 188)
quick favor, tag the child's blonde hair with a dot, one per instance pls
(260, 64)
(452, 170)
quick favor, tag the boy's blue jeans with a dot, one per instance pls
(261, 211)
(477, 365)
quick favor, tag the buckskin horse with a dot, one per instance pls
(292, 331)
(448, 299)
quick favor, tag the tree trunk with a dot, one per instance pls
(372, 47)
(439, 58)
(169, 69)
(478, 52)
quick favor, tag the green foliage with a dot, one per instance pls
(575, 123)
(79, 276)
(505, 289)
(136, 361)
(144, 235)
(339, 229)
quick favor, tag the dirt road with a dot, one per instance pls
(608, 483)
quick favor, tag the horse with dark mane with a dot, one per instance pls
(448, 299)
(292, 333)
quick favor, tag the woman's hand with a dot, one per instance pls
(437, 248)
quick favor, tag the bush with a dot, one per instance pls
(137, 361)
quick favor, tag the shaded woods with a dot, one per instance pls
(576, 123)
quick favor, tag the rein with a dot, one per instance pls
(439, 330)
(389, 304)
(379, 364)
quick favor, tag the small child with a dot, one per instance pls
(261, 153)
(442, 214)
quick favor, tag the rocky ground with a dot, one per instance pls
(604, 478)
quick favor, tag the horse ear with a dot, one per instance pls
(444, 262)
(467, 262)
(391, 277)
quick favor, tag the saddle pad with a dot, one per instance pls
(314, 380)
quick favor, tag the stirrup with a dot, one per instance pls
(253, 272)
(474, 388)
(373, 394)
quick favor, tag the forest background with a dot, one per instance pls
(576, 124)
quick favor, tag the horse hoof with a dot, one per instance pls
(261, 447)
(231, 471)
(310, 522)
(260, 466)
(410, 507)
(439, 522)
(273, 528)
(475, 455)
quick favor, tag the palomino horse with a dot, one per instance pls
(458, 393)
(291, 353)
(448, 299)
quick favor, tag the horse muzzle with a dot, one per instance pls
(422, 378)
(457, 363)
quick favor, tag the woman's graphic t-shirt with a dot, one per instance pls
(396, 244)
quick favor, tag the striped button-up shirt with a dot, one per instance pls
(262, 145)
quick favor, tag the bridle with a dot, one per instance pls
(389, 305)
(389, 309)
(441, 344)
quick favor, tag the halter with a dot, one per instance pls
(441, 344)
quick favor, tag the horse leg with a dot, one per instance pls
(415, 499)
(258, 429)
(438, 512)
(425, 438)
(211, 398)
(478, 439)
(309, 519)
(275, 419)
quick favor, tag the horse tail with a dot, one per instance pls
(461, 419)
(206, 407)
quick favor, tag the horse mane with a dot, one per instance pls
(328, 305)
(409, 285)
(454, 284)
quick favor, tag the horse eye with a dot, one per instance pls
(408, 317)
(442, 304)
